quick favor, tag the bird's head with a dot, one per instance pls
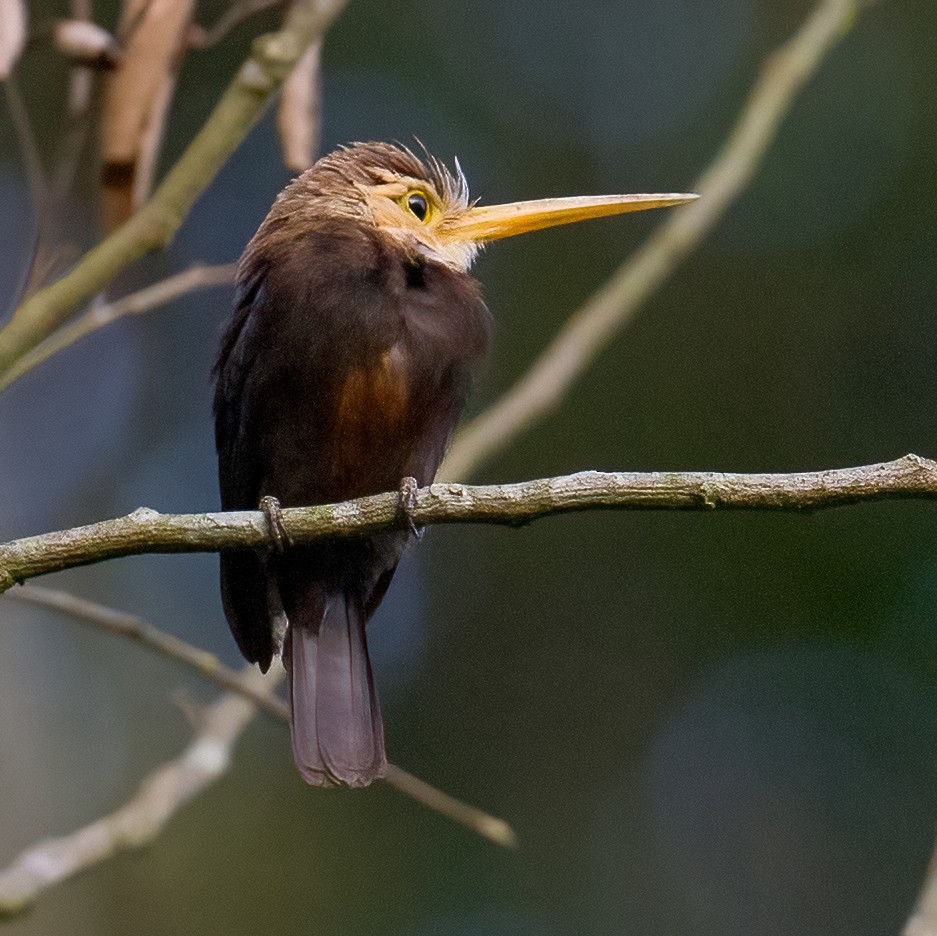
(425, 209)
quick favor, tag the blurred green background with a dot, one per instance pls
(704, 725)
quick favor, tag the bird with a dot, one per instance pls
(356, 331)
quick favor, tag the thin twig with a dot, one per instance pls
(211, 668)
(153, 638)
(153, 226)
(23, 128)
(35, 174)
(299, 115)
(489, 827)
(99, 315)
(55, 251)
(147, 531)
(141, 819)
(615, 304)
(923, 921)
(236, 13)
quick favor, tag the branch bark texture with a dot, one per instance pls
(147, 531)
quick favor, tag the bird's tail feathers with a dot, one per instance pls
(338, 735)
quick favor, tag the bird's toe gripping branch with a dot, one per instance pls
(407, 500)
(279, 538)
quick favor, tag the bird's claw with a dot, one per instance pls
(407, 501)
(279, 538)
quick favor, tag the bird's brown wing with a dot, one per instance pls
(244, 580)
(306, 380)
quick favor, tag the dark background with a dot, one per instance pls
(697, 724)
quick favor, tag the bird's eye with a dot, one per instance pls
(418, 205)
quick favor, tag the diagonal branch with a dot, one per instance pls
(143, 817)
(923, 920)
(272, 58)
(147, 531)
(98, 316)
(141, 631)
(615, 304)
(170, 787)
(240, 683)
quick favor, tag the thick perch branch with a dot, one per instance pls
(147, 531)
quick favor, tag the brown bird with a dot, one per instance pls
(343, 371)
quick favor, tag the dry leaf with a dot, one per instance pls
(12, 34)
(136, 100)
(299, 117)
(86, 43)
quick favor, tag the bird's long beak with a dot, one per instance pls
(490, 222)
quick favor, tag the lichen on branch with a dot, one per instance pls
(148, 531)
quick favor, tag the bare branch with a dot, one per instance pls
(137, 95)
(272, 58)
(22, 126)
(13, 28)
(147, 531)
(489, 827)
(153, 638)
(211, 668)
(55, 252)
(99, 315)
(140, 820)
(164, 792)
(236, 13)
(32, 163)
(923, 921)
(615, 304)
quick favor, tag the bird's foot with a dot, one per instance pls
(407, 500)
(279, 538)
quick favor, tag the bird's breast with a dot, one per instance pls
(373, 396)
(372, 423)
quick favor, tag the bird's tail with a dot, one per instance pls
(338, 735)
